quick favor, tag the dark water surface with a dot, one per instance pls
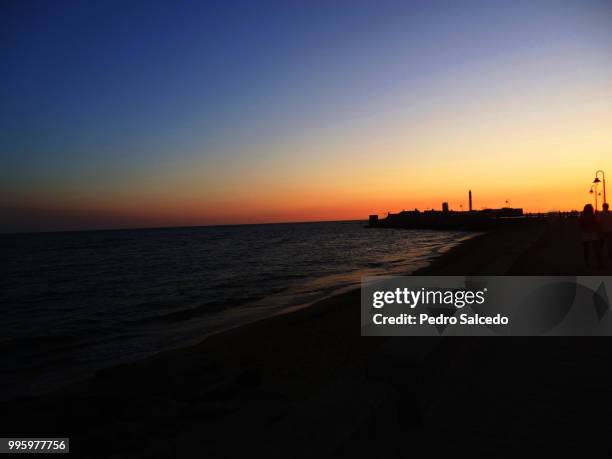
(75, 302)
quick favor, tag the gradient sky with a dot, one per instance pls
(132, 114)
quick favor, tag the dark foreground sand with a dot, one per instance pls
(306, 384)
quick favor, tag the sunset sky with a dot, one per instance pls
(134, 114)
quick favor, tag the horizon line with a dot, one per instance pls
(221, 225)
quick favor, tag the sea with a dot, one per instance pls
(72, 303)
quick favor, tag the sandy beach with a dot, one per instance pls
(306, 384)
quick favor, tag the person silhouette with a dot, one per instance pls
(589, 234)
(606, 230)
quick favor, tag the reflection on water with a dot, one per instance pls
(75, 302)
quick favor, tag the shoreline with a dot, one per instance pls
(296, 296)
(258, 372)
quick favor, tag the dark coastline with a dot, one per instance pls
(308, 378)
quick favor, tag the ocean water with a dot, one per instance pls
(75, 302)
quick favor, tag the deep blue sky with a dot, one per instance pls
(105, 103)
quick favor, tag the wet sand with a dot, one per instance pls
(306, 384)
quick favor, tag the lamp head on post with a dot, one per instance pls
(602, 180)
(594, 192)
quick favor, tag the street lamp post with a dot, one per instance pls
(603, 179)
